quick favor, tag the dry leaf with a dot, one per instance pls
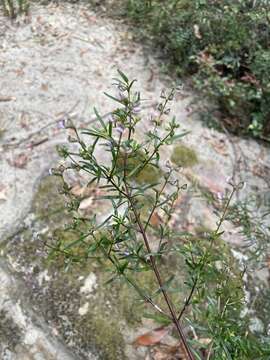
(169, 352)
(83, 51)
(206, 58)
(250, 79)
(261, 171)
(24, 120)
(220, 147)
(205, 341)
(155, 219)
(44, 87)
(19, 161)
(197, 32)
(3, 192)
(19, 72)
(152, 337)
(81, 191)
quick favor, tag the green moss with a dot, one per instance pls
(113, 307)
(105, 337)
(48, 204)
(184, 156)
(150, 174)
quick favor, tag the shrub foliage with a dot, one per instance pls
(224, 45)
(195, 282)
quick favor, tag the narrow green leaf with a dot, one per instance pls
(99, 118)
(123, 76)
(113, 98)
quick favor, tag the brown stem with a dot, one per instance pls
(188, 300)
(154, 266)
(160, 282)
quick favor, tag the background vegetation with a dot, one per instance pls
(224, 45)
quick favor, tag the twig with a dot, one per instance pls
(7, 98)
(39, 142)
(160, 282)
(187, 302)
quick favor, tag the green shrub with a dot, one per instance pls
(195, 280)
(225, 45)
(12, 8)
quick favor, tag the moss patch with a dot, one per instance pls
(55, 287)
(184, 156)
(149, 174)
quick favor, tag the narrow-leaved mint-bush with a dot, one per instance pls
(195, 284)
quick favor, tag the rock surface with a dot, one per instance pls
(56, 65)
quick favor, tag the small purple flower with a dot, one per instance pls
(111, 119)
(61, 124)
(109, 145)
(121, 96)
(136, 109)
(220, 196)
(154, 116)
(120, 129)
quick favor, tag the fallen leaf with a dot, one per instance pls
(151, 338)
(155, 219)
(83, 51)
(250, 79)
(19, 72)
(169, 352)
(197, 32)
(24, 120)
(205, 341)
(261, 171)
(220, 147)
(44, 87)
(3, 192)
(206, 58)
(19, 161)
(81, 191)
